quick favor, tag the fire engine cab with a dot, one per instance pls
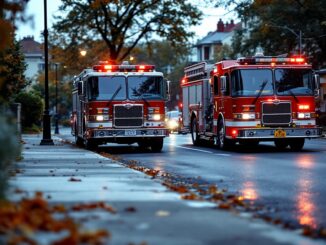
(119, 103)
(250, 100)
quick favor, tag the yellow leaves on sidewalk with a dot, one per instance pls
(19, 221)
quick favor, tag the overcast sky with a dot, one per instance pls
(36, 9)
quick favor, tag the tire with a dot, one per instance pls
(157, 145)
(222, 141)
(297, 144)
(143, 145)
(90, 145)
(281, 144)
(78, 141)
(194, 132)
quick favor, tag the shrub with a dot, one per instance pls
(9, 151)
(31, 109)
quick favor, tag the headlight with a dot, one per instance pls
(101, 118)
(156, 117)
(244, 116)
(173, 124)
(303, 115)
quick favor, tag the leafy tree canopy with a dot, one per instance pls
(10, 11)
(275, 25)
(123, 24)
(12, 70)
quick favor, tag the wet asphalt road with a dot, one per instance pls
(290, 185)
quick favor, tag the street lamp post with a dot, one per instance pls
(56, 129)
(46, 140)
(298, 36)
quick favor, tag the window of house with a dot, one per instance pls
(41, 67)
(206, 52)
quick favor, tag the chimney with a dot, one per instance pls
(220, 26)
(232, 24)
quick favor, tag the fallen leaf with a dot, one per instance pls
(224, 206)
(90, 206)
(191, 196)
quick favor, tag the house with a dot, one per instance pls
(34, 56)
(207, 47)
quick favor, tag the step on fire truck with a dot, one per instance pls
(121, 104)
(250, 100)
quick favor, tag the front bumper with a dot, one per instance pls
(275, 133)
(128, 133)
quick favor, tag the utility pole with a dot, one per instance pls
(56, 129)
(46, 116)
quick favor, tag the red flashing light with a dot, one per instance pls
(271, 60)
(299, 60)
(144, 68)
(108, 67)
(234, 133)
(304, 107)
(123, 68)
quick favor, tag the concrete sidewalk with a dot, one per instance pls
(158, 215)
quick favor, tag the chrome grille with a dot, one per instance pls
(276, 113)
(128, 115)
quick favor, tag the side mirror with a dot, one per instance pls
(80, 88)
(223, 83)
(317, 85)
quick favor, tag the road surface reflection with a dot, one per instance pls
(305, 205)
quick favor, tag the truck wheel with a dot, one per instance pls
(281, 144)
(78, 141)
(157, 145)
(143, 145)
(90, 145)
(222, 141)
(194, 132)
(297, 144)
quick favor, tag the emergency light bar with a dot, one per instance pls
(275, 60)
(123, 68)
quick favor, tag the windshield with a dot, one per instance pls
(147, 87)
(251, 82)
(104, 88)
(293, 81)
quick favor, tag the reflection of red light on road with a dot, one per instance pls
(305, 205)
(249, 192)
(305, 161)
(306, 209)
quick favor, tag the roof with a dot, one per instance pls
(30, 46)
(218, 36)
(214, 37)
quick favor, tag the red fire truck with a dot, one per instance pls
(119, 103)
(250, 100)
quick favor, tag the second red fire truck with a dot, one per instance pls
(121, 104)
(251, 100)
